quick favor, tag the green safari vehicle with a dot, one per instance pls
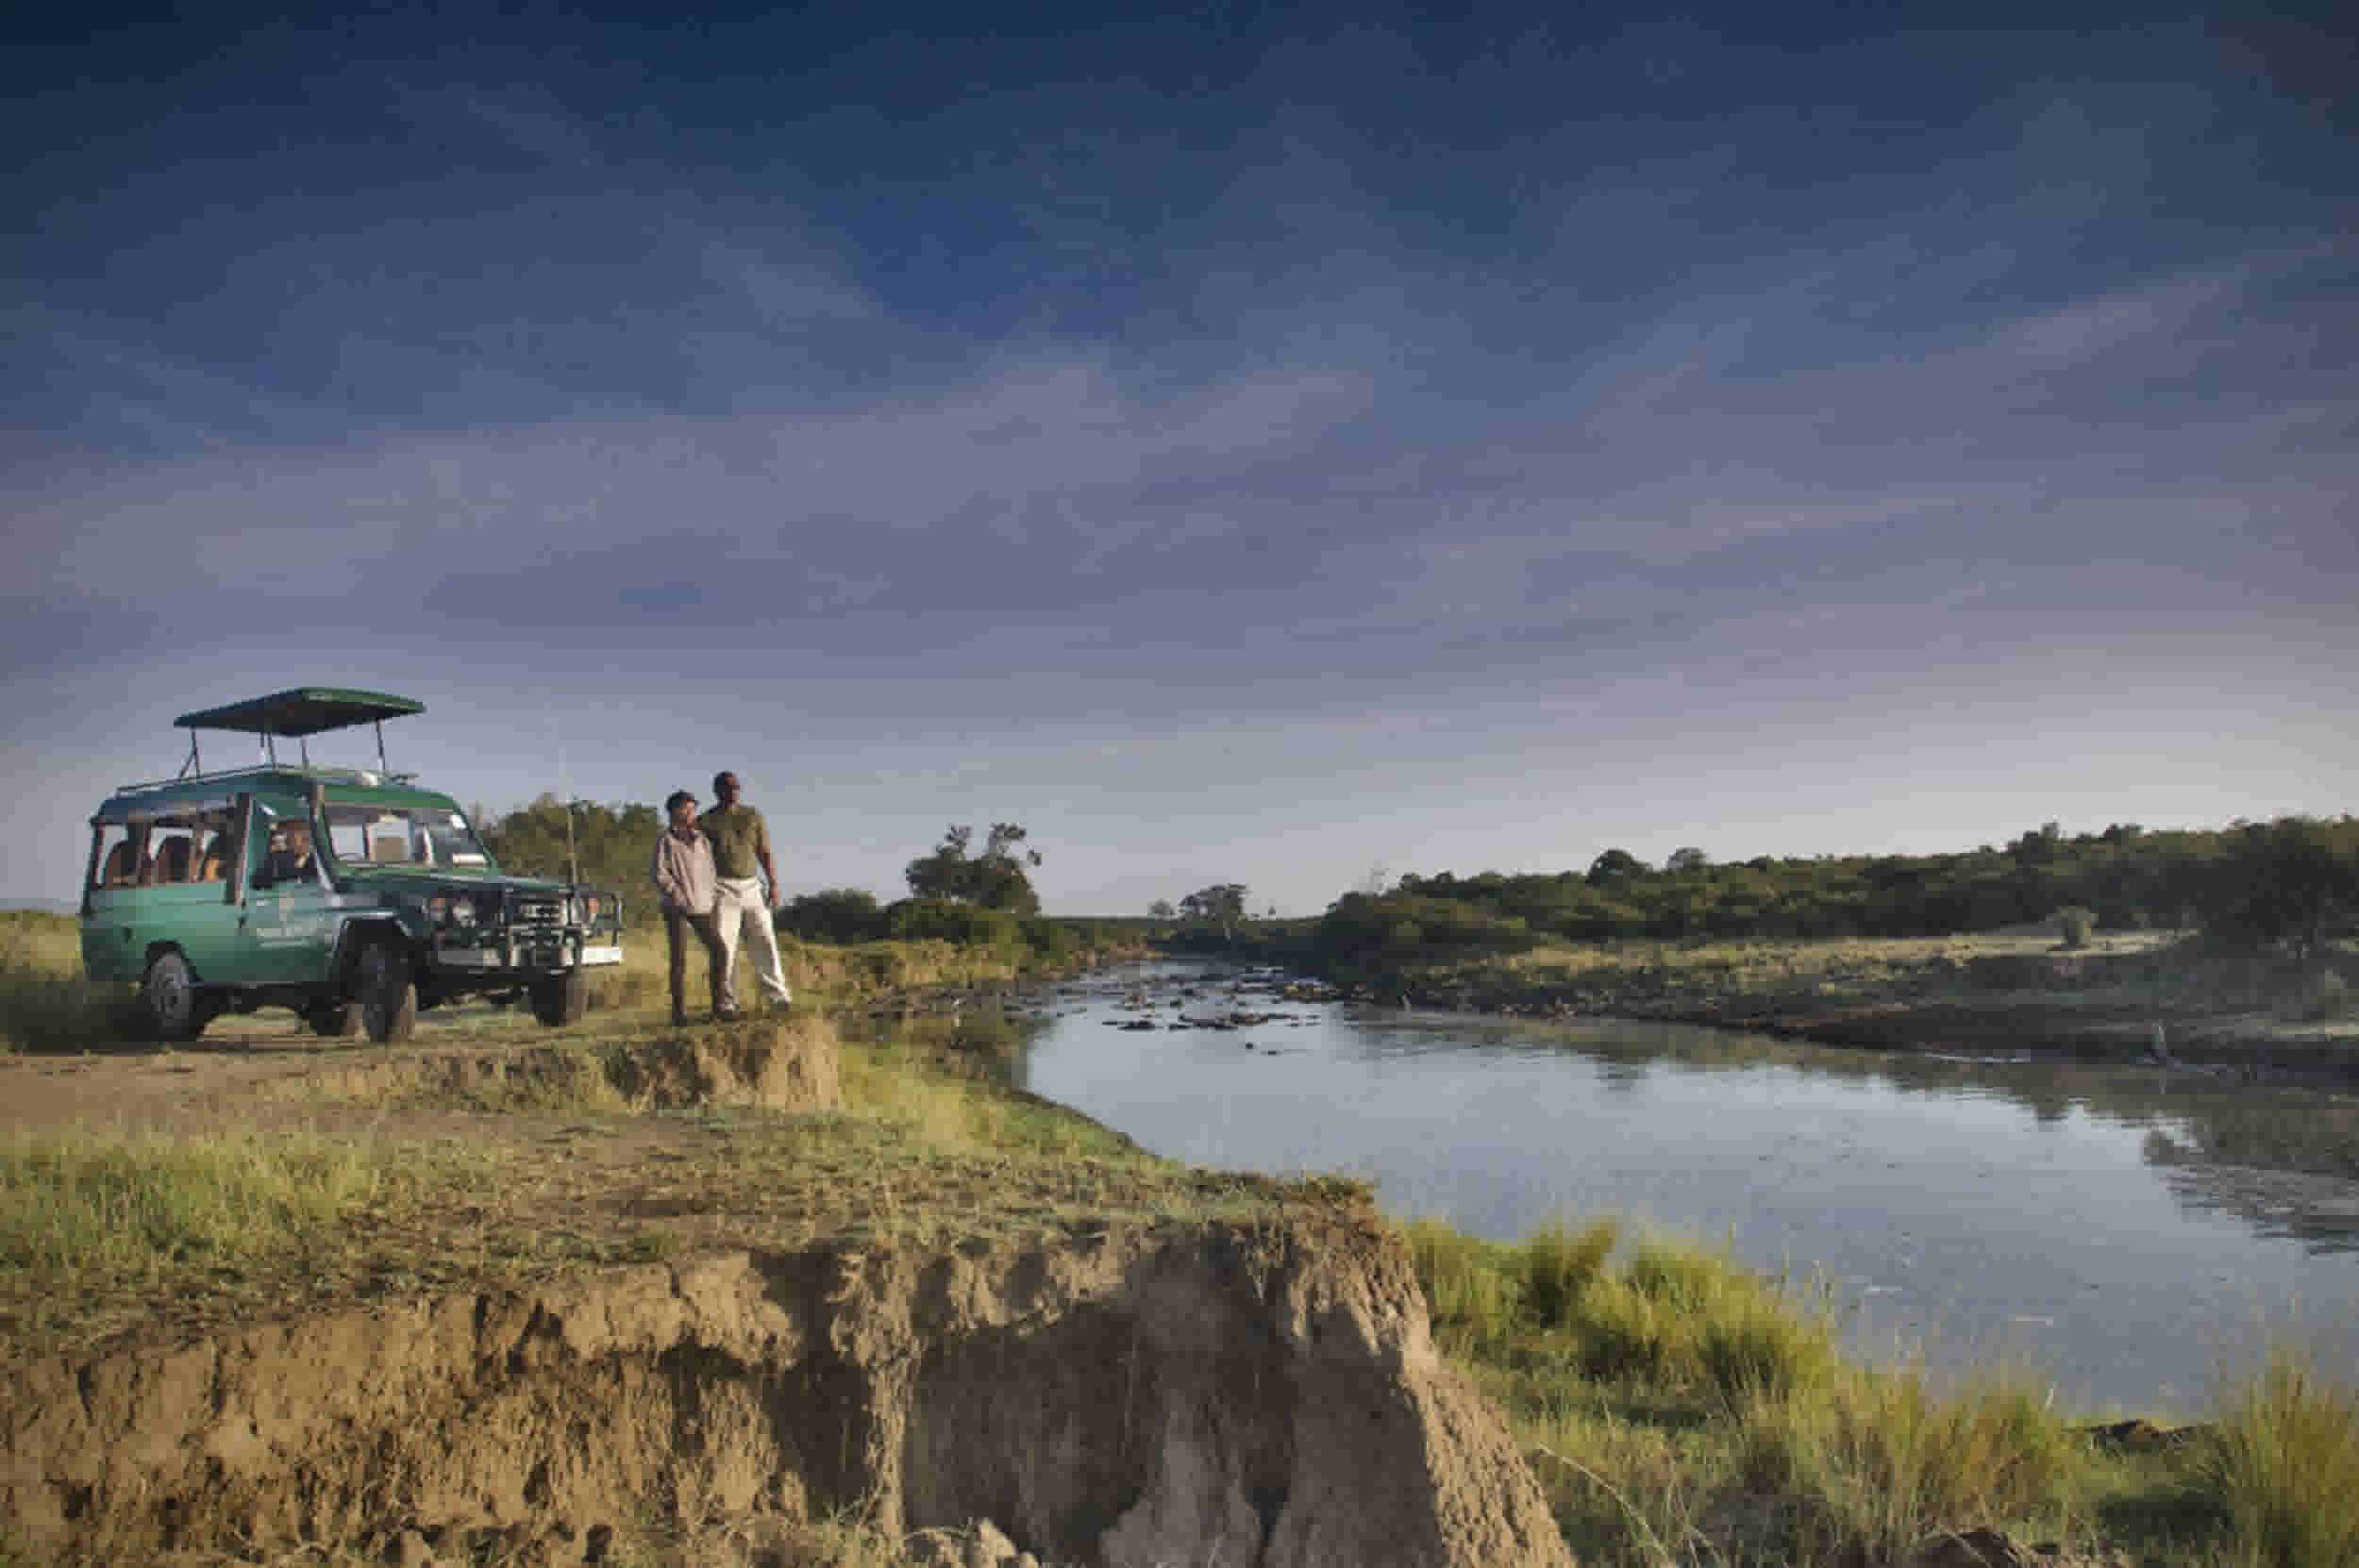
(354, 897)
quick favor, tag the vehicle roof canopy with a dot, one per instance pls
(304, 710)
(278, 786)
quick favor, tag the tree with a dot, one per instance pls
(1615, 865)
(609, 843)
(995, 879)
(1161, 910)
(2284, 882)
(1222, 904)
(2040, 847)
(1689, 858)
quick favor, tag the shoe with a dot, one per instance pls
(726, 1015)
(680, 1019)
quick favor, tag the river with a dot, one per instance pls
(1965, 1210)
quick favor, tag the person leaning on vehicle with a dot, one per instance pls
(685, 883)
(740, 847)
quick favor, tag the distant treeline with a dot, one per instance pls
(2291, 881)
(612, 846)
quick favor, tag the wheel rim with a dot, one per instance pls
(377, 974)
(175, 999)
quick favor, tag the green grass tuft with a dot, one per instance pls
(1679, 1408)
(2282, 1463)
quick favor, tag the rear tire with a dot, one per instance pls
(167, 999)
(561, 1001)
(386, 990)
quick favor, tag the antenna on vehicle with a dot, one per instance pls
(565, 790)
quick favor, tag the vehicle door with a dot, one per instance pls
(110, 902)
(287, 932)
(186, 899)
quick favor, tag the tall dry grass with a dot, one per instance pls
(2282, 1464)
(1679, 1408)
(1871, 1464)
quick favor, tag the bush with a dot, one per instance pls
(960, 924)
(2073, 925)
(845, 917)
(1048, 943)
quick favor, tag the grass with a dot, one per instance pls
(846, 975)
(361, 1183)
(46, 1005)
(1828, 969)
(104, 1228)
(2162, 970)
(1677, 1408)
(1681, 1410)
(2283, 1465)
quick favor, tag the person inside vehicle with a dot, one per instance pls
(290, 858)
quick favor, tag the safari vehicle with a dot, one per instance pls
(355, 898)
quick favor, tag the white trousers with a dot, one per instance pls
(741, 906)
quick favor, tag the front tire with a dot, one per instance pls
(563, 1000)
(334, 1020)
(167, 999)
(387, 991)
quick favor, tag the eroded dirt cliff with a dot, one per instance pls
(1235, 1394)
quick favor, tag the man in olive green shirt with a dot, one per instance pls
(740, 847)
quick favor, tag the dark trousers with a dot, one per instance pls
(677, 925)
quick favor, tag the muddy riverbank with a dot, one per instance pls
(2172, 1003)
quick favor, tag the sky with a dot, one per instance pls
(1290, 446)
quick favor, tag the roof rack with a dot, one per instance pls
(325, 775)
(300, 712)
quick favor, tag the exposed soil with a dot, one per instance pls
(1249, 1392)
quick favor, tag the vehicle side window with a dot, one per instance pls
(216, 838)
(169, 850)
(119, 856)
(286, 854)
(171, 853)
(364, 836)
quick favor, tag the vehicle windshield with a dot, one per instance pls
(402, 836)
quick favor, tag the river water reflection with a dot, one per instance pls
(2061, 1214)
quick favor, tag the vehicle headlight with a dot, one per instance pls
(438, 909)
(590, 908)
(463, 912)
